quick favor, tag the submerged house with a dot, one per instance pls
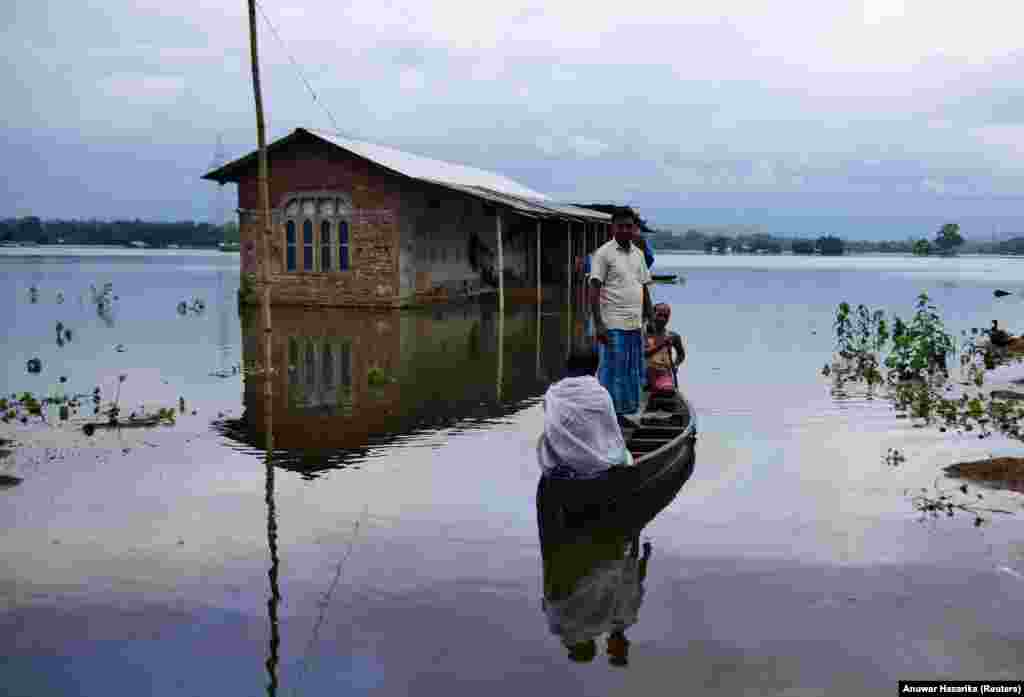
(359, 224)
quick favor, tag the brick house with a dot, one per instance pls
(362, 225)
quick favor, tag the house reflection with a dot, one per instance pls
(345, 380)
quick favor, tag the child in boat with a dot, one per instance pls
(582, 438)
(661, 364)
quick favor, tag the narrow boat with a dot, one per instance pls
(663, 443)
(664, 277)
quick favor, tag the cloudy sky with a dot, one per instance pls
(869, 118)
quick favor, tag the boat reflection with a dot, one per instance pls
(594, 570)
(344, 381)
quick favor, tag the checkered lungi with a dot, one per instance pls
(622, 367)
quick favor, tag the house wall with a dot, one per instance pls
(409, 242)
(373, 196)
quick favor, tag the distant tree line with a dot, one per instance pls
(116, 232)
(947, 241)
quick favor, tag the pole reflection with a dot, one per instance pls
(274, 600)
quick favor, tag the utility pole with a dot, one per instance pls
(268, 378)
(263, 176)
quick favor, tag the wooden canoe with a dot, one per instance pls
(664, 445)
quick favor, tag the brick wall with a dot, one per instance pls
(409, 241)
(372, 278)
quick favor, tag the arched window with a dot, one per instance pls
(322, 244)
(307, 245)
(343, 260)
(289, 236)
(325, 246)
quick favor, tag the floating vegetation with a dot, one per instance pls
(34, 366)
(23, 407)
(197, 306)
(894, 457)
(7, 480)
(60, 297)
(377, 377)
(33, 294)
(104, 300)
(947, 503)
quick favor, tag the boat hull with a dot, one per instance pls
(624, 492)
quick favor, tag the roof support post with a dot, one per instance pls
(568, 261)
(538, 271)
(568, 289)
(501, 351)
(501, 265)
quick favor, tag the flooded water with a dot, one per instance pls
(391, 545)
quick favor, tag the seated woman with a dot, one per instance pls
(998, 337)
(661, 364)
(581, 438)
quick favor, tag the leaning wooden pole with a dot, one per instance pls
(263, 176)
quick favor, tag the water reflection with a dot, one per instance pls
(344, 380)
(594, 574)
(274, 599)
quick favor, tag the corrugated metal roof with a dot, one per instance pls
(419, 167)
(479, 183)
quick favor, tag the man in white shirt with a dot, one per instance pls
(620, 304)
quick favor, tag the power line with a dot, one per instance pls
(298, 68)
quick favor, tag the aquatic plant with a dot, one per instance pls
(247, 289)
(918, 383)
(944, 502)
(377, 377)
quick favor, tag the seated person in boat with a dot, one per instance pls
(582, 438)
(998, 337)
(661, 363)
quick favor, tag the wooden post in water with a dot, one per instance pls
(501, 351)
(538, 267)
(568, 291)
(501, 264)
(568, 261)
(263, 176)
(538, 340)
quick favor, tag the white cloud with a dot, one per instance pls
(588, 147)
(151, 88)
(411, 79)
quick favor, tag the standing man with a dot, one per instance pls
(645, 247)
(620, 304)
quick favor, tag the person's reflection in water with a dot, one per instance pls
(604, 600)
(627, 607)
